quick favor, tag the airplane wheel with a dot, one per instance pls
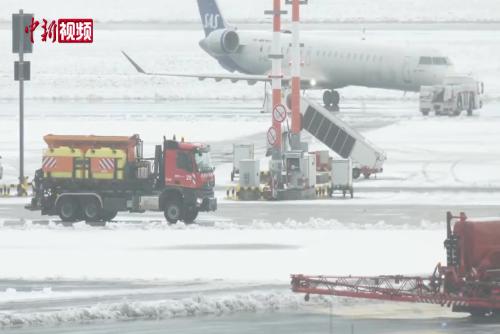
(328, 98)
(336, 98)
(331, 99)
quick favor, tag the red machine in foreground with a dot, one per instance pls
(470, 282)
(92, 178)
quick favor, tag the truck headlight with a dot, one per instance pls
(199, 201)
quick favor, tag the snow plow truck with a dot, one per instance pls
(92, 178)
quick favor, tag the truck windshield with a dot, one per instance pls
(203, 162)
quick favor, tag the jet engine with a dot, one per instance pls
(221, 41)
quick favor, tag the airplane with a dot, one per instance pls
(328, 63)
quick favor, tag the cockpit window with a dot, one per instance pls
(439, 61)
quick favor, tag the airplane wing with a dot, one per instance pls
(250, 79)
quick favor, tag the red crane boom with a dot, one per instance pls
(466, 285)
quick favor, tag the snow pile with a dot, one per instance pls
(289, 224)
(165, 309)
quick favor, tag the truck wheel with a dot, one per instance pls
(352, 193)
(366, 175)
(460, 104)
(232, 176)
(356, 173)
(471, 105)
(190, 215)
(108, 215)
(91, 210)
(68, 210)
(425, 112)
(173, 211)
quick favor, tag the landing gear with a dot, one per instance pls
(331, 99)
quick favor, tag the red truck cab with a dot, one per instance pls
(188, 165)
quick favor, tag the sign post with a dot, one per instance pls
(21, 45)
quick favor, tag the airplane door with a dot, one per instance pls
(406, 75)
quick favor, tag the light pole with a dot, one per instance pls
(21, 45)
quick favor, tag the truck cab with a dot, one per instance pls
(188, 174)
(188, 165)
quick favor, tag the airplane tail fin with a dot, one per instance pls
(211, 17)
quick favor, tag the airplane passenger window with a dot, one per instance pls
(425, 61)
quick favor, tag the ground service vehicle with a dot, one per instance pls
(91, 178)
(342, 139)
(456, 94)
(470, 281)
(341, 179)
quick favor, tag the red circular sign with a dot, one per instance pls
(272, 136)
(279, 113)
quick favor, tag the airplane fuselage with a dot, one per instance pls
(330, 64)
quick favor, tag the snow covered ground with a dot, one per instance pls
(163, 272)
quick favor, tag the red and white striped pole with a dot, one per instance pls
(276, 76)
(296, 63)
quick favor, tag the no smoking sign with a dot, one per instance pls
(279, 113)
